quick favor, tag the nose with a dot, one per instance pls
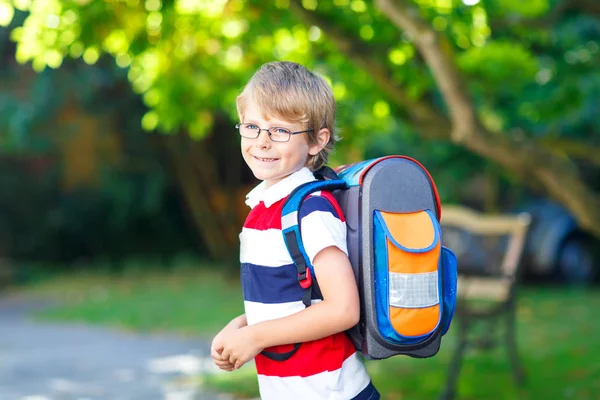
(263, 140)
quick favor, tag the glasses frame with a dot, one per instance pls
(259, 129)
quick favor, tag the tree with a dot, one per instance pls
(513, 83)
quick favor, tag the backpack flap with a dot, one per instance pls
(407, 284)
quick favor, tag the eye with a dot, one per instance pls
(251, 126)
(280, 131)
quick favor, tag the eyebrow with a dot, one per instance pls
(275, 125)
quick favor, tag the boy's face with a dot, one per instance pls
(273, 161)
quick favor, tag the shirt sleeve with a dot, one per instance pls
(322, 225)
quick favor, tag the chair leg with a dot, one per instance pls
(455, 365)
(511, 346)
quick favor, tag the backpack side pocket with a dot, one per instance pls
(450, 274)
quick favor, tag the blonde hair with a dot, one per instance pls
(288, 91)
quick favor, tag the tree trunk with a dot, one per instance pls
(202, 192)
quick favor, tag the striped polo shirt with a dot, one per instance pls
(328, 368)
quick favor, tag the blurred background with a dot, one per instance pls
(122, 184)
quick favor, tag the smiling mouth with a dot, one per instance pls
(266, 159)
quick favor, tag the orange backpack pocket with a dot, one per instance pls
(407, 275)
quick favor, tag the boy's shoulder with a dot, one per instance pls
(323, 201)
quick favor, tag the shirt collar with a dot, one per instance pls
(278, 191)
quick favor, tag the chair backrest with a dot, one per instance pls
(488, 249)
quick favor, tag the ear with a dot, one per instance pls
(322, 140)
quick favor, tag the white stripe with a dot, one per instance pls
(289, 220)
(259, 312)
(265, 248)
(414, 290)
(342, 384)
(321, 229)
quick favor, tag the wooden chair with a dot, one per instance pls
(488, 250)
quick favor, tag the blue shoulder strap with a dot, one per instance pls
(291, 230)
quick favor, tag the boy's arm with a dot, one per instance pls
(216, 346)
(338, 311)
(238, 322)
(235, 324)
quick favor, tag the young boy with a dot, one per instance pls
(287, 116)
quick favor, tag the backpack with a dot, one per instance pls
(406, 278)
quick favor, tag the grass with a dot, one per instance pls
(185, 301)
(558, 334)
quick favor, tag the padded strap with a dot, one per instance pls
(292, 204)
(290, 222)
(326, 173)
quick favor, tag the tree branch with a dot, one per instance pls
(431, 122)
(590, 7)
(437, 52)
(558, 176)
(573, 149)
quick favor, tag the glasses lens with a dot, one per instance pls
(279, 134)
(248, 130)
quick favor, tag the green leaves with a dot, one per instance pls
(188, 59)
(530, 8)
(499, 65)
(7, 13)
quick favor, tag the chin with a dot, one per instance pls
(264, 176)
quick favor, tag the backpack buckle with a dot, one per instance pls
(305, 279)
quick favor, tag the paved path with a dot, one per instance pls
(40, 361)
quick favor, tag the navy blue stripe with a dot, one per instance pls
(316, 203)
(368, 393)
(271, 285)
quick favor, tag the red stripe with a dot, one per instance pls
(335, 204)
(262, 218)
(327, 354)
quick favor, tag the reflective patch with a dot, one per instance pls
(414, 290)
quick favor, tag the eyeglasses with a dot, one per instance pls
(252, 131)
